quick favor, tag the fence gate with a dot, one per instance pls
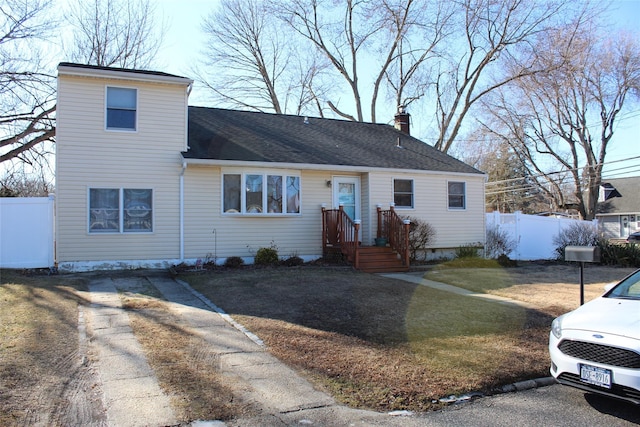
(26, 232)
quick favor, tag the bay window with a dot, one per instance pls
(260, 194)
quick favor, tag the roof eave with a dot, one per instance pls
(321, 167)
(67, 70)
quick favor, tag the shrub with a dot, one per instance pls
(421, 235)
(234, 262)
(467, 251)
(498, 243)
(577, 234)
(266, 256)
(293, 261)
(624, 255)
(505, 261)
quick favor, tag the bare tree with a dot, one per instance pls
(250, 63)
(114, 33)
(365, 30)
(416, 44)
(495, 32)
(19, 183)
(26, 85)
(509, 186)
(566, 117)
(106, 33)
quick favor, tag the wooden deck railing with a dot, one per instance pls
(396, 231)
(340, 231)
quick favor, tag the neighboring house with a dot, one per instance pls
(143, 180)
(619, 207)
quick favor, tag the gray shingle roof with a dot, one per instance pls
(220, 134)
(629, 189)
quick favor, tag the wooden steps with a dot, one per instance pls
(380, 259)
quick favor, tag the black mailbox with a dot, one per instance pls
(582, 253)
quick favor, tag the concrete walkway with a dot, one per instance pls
(128, 383)
(418, 279)
(132, 396)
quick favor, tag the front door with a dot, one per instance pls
(346, 192)
(624, 225)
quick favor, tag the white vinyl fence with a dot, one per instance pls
(533, 234)
(26, 232)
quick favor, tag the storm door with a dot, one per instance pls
(346, 192)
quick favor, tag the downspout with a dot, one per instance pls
(184, 167)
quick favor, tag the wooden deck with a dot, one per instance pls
(340, 237)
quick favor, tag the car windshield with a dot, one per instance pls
(629, 288)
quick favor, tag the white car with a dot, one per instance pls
(597, 346)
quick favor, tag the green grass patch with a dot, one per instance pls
(477, 275)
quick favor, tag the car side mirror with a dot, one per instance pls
(609, 286)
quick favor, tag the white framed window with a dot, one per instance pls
(403, 193)
(457, 192)
(121, 108)
(260, 193)
(120, 210)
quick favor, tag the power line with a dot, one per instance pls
(527, 187)
(562, 171)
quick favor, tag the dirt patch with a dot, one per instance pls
(46, 377)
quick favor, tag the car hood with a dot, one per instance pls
(606, 315)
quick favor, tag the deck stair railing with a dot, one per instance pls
(396, 231)
(339, 231)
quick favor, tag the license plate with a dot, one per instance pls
(596, 376)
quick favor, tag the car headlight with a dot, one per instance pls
(556, 327)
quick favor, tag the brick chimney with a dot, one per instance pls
(401, 120)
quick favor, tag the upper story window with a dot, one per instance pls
(457, 195)
(121, 108)
(115, 210)
(260, 194)
(403, 193)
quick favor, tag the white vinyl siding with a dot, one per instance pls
(210, 232)
(88, 156)
(453, 227)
